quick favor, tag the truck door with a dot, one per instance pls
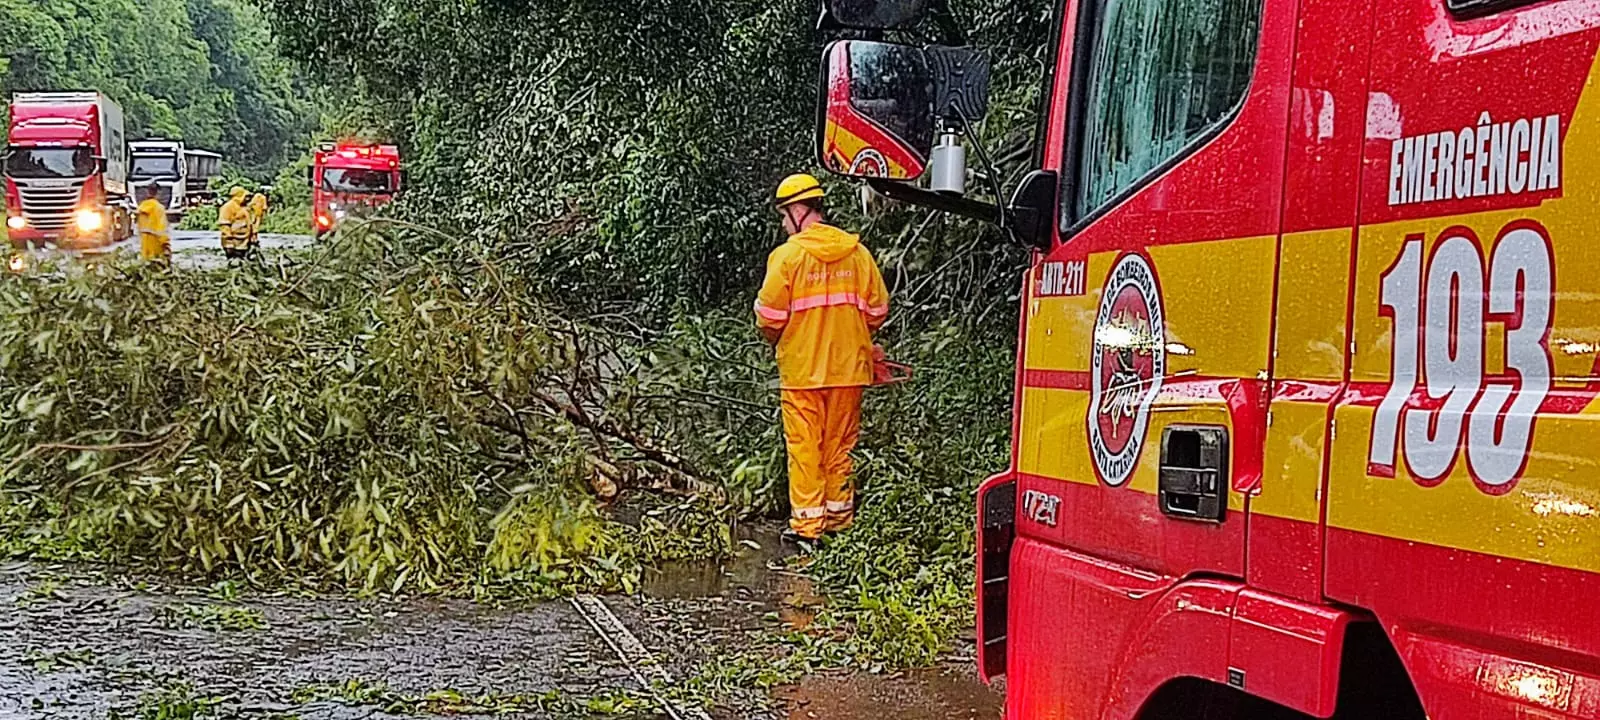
(1147, 338)
(1464, 491)
(1327, 127)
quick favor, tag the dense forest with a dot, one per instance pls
(205, 71)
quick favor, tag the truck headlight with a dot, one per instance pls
(16, 222)
(89, 220)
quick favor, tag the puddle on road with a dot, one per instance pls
(760, 548)
(755, 575)
(949, 693)
(742, 589)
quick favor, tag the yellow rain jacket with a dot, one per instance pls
(258, 212)
(234, 222)
(825, 293)
(155, 242)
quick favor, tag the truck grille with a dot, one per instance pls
(48, 204)
(163, 192)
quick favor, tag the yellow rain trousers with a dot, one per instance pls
(825, 294)
(820, 428)
(155, 242)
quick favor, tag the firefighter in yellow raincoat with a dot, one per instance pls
(233, 220)
(822, 299)
(258, 212)
(155, 240)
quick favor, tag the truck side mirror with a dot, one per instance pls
(876, 119)
(1033, 209)
(874, 14)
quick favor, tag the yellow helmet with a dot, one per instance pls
(238, 192)
(796, 188)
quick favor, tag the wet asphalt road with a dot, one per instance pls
(203, 248)
(74, 645)
(86, 642)
(194, 249)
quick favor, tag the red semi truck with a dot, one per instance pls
(1307, 392)
(66, 171)
(350, 179)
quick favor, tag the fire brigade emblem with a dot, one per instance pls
(1128, 363)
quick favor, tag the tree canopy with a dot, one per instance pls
(204, 71)
(630, 153)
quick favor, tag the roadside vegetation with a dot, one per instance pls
(537, 374)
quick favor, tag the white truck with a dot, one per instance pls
(180, 176)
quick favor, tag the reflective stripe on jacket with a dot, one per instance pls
(825, 293)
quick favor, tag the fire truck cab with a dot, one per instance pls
(350, 179)
(1305, 415)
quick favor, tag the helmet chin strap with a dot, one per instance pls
(800, 222)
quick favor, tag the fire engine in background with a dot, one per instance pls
(1305, 418)
(66, 170)
(181, 176)
(350, 179)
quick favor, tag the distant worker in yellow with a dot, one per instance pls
(258, 212)
(155, 240)
(822, 299)
(233, 220)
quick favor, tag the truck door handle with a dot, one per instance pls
(1194, 472)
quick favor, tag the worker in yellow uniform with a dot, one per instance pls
(155, 241)
(233, 220)
(258, 212)
(822, 299)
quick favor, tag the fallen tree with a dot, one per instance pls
(372, 417)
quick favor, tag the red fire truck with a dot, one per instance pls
(66, 170)
(1305, 414)
(349, 179)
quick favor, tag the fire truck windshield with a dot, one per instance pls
(350, 180)
(49, 162)
(154, 166)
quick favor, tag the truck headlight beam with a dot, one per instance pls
(89, 220)
(16, 222)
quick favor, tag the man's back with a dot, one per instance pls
(826, 293)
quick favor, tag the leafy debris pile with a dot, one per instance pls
(376, 415)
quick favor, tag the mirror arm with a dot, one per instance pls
(967, 208)
(1004, 218)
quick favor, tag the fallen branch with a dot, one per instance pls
(69, 446)
(609, 429)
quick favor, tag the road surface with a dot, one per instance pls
(193, 249)
(203, 248)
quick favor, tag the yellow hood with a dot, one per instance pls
(826, 242)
